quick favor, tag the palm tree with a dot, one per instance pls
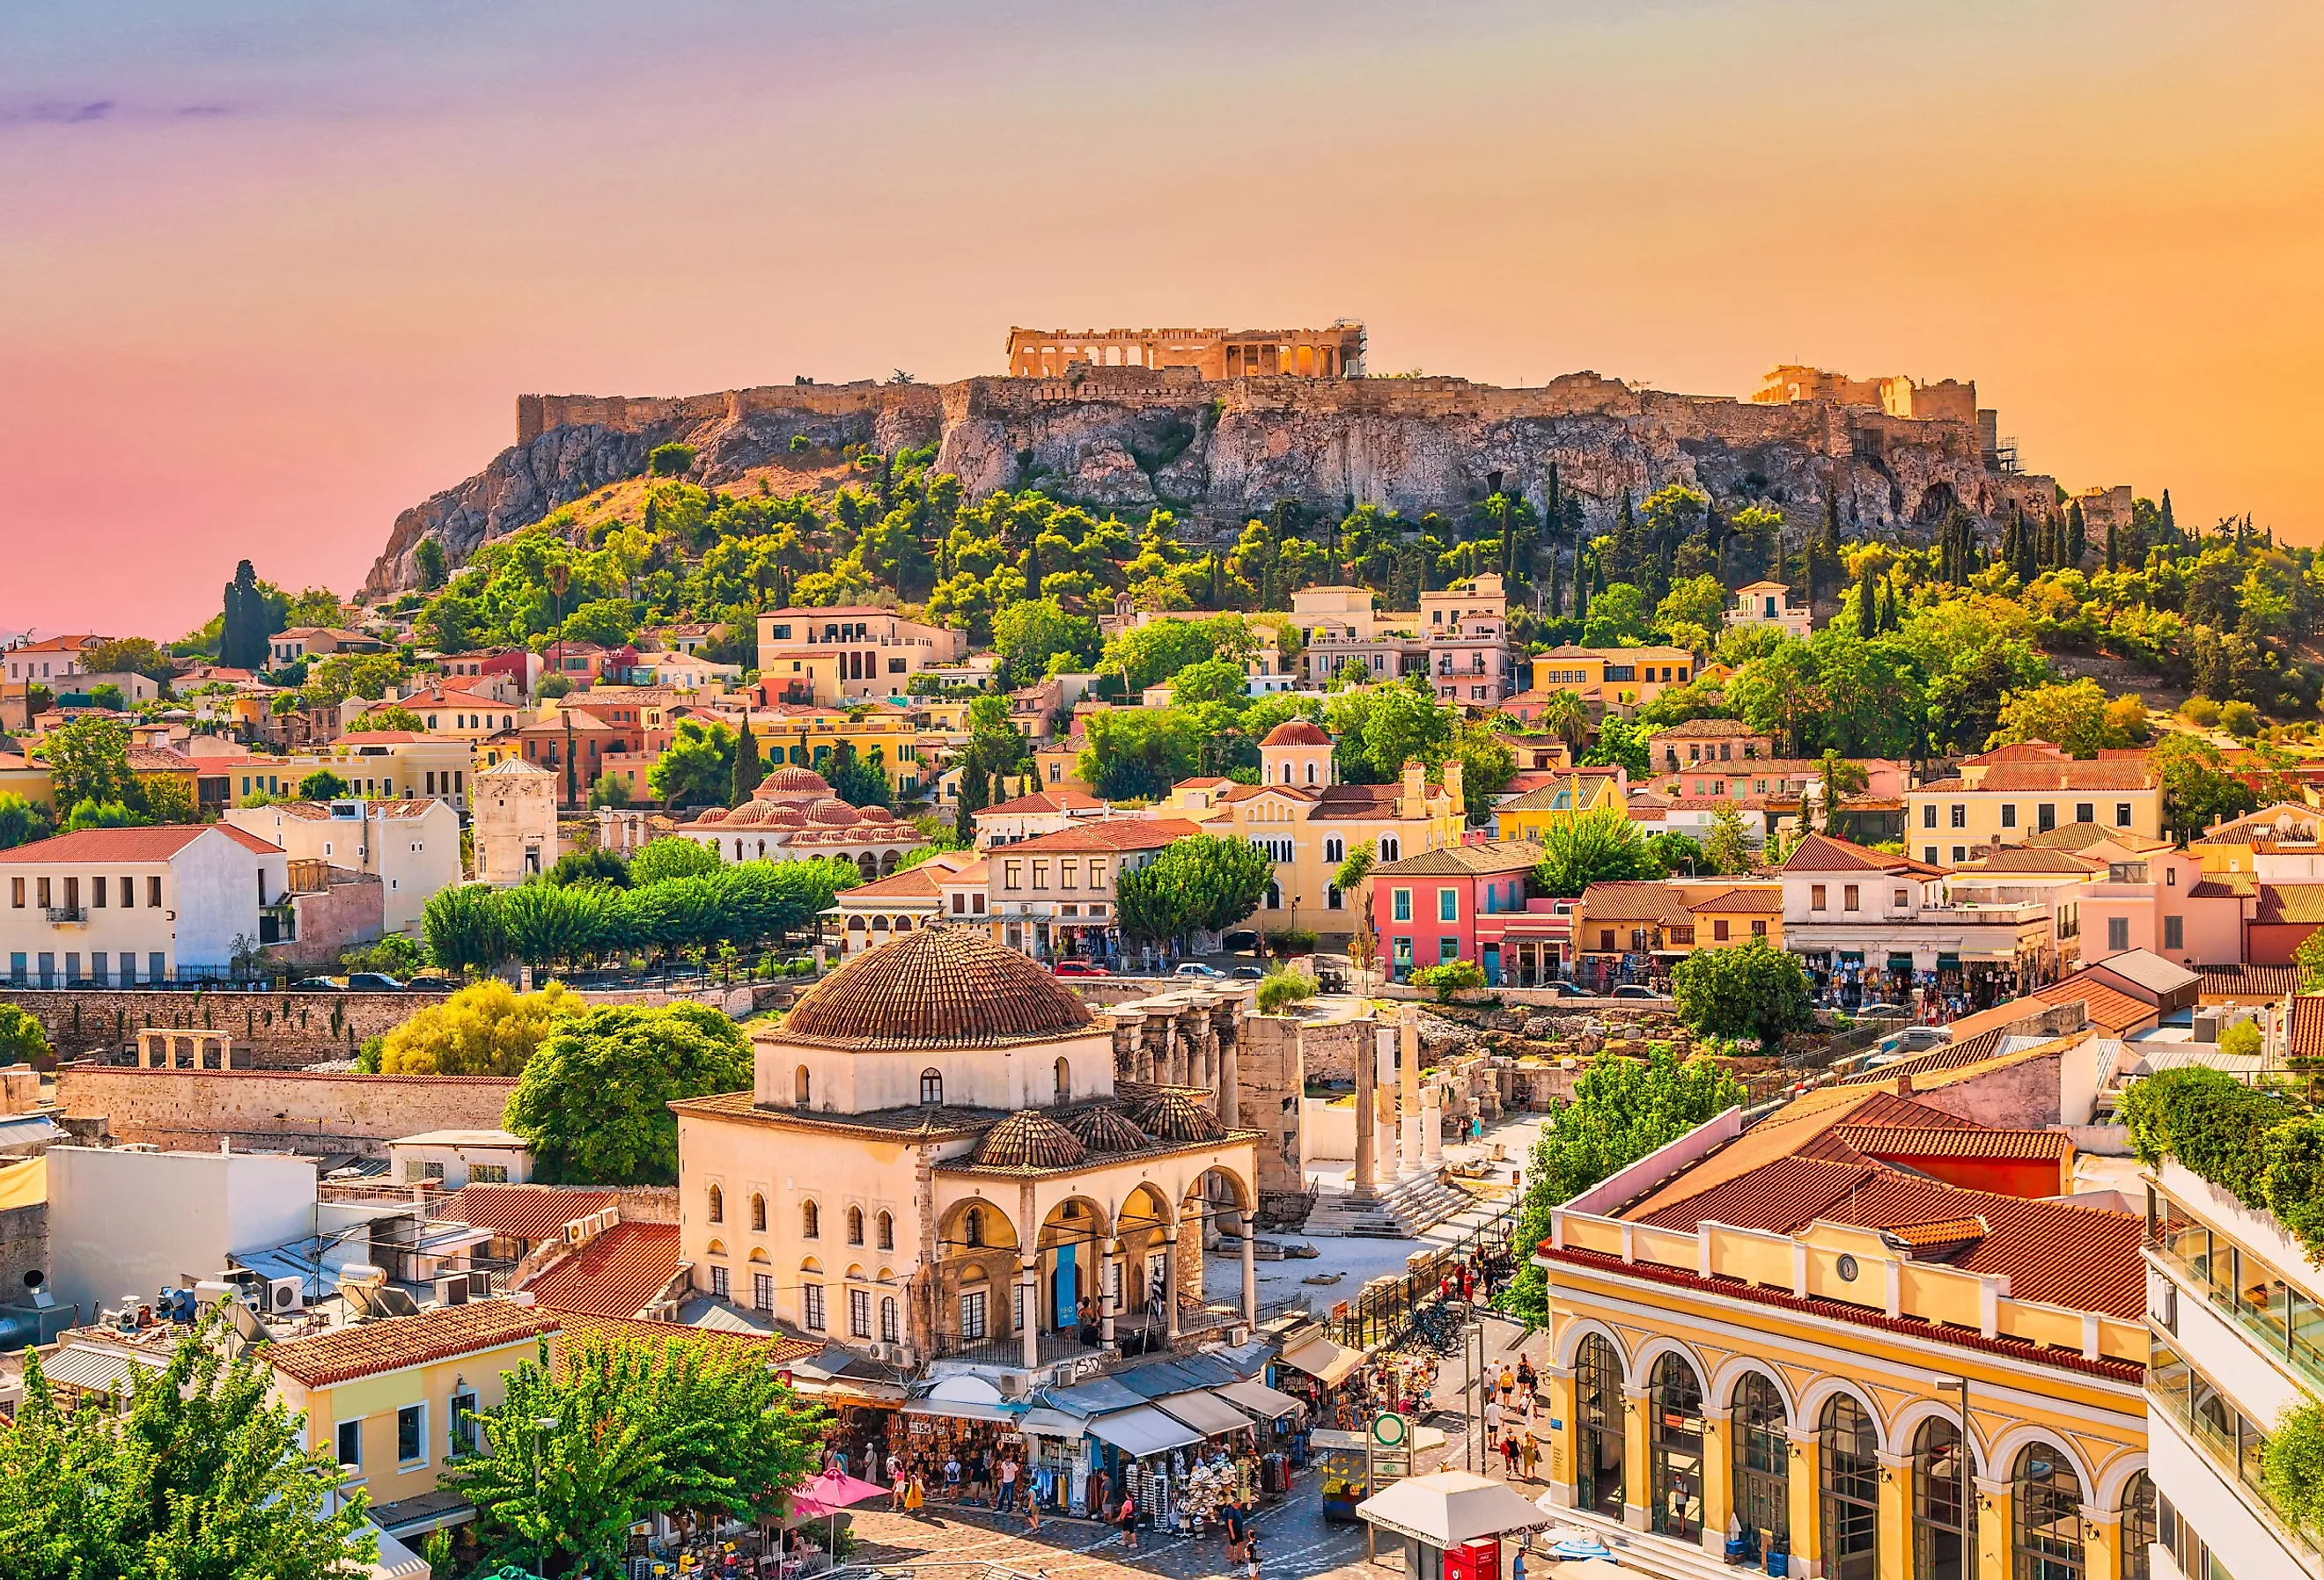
(1566, 716)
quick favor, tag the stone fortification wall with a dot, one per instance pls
(271, 1031)
(1218, 452)
(301, 1110)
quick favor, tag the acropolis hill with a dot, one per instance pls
(1217, 445)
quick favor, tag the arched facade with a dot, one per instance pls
(1674, 1445)
(1848, 1454)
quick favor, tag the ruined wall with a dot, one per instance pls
(271, 1031)
(24, 1247)
(1218, 452)
(1269, 1070)
(302, 1111)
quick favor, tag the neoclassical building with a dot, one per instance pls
(937, 1161)
(1762, 1334)
(793, 816)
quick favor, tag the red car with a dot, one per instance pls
(1078, 968)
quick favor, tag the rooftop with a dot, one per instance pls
(522, 1212)
(934, 987)
(161, 842)
(392, 1344)
(1489, 858)
(616, 1273)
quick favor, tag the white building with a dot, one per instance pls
(129, 1222)
(1768, 603)
(139, 905)
(411, 847)
(514, 818)
(1855, 914)
(793, 816)
(454, 1157)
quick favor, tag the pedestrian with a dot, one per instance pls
(1231, 1519)
(895, 1481)
(1509, 1457)
(1008, 1484)
(1508, 1385)
(1250, 1556)
(1527, 1380)
(1494, 1416)
(1530, 1452)
(952, 1478)
(1127, 1517)
(915, 1493)
(1032, 1516)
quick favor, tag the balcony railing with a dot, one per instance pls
(2289, 1325)
(67, 915)
(2235, 1455)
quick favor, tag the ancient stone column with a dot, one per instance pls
(1110, 1285)
(1230, 1084)
(1170, 1279)
(1367, 1094)
(1408, 1087)
(1432, 1126)
(1250, 1272)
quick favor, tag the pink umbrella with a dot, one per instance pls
(827, 1494)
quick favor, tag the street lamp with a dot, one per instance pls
(1961, 1385)
(539, 1424)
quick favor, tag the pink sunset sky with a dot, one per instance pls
(273, 273)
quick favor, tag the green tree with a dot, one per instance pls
(89, 814)
(393, 717)
(1380, 729)
(21, 821)
(2071, 716)
(1842, 777)
(323, 785)
(658, 861)
(1751, 991)
(88, 761)
(2309, 959)
(107, 695)
(22, 1038)
(1727, 843)
(1600, 846)
(594, 1099)
(463, 927)
(1448, 978)
(1137, 754)
(670, 460)
(750, 769)
(1486, 766)
(427, 560)
(1698, 601)
(1617, 618)
(691, 1426)
(130, 655)
(485, 1028)
(249, 624)
(204, 1477)
(860, 781)
(1030, 633)
(1622, 1109)
(696, 769)
(1564, 715)
(2197, 790)
(588, 866)
(1204, 884)
(610, 790)
(1620, 744)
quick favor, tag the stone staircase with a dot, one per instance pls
(1399, 1210)
(1659, 1556)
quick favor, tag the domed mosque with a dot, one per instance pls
(936, 1154)
(793, 814)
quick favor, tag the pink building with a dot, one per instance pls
(1457, 903)
(2156, 897)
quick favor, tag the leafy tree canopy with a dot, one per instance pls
(1598, 846)
(1205, 883)
(592, 1101)
(485, 1028)
(1754, 991)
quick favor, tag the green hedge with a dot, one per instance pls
(2263, 1148)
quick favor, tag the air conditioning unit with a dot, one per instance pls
(285, 1295)
(452, 1289)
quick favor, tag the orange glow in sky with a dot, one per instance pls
(272, 274)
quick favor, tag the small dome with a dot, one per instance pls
(748, 815)
(1028, 1139)
(936, 987)
(1105, 1128)
(832, 812)
(1169, 1113)
(874, 814)
(792, 781)
(1296, 732)
(775, 816)
(712, 815)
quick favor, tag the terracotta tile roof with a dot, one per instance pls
(2068, 837)
(2019, 751)
(1796, 1127)
(1360, 801)
(2225, 886)
(1633, 901)
(2022, 858)
(2108, 1367)
(2023, 777)
(158, 843)
(2118, 1014)
(1943, 1231)
(1756, 900)
(2245, 982)
(1975, 1049)
(2292, 905)
(368, 1349)
(918, 882)
(936, 987)
(1040, 801)
(1893, 1141)
(1111, 834)
(159, 760)
(522, 1212)
(1491, 857)
(2054, 1252)
(2270, 822)
(616, 1274)
(2305, 1037)
(1577, 790)
(1700, 729)
(779, 1349)
(1821, 853)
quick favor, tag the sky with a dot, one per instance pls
(272, 271)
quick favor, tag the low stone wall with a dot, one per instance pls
(1329, 1047)
(300, 1111)
(271, 1031)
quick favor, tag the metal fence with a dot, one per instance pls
(1386, 1311)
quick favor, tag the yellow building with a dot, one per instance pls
(2236, 844)
(806, 736)
(1308, 825)
(1767, 1328)
(2005, 796)
(1620, 679)
(1562, 800)
(1658, 924)
(391, 1398)
(377, 765)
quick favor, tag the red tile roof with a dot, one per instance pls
(1109, 834)
(2290, 904)
(1055, 801)
(524, 1212)
(2305, 1038)
(391, 1343)
(2118, 774)
(779, 1349)
(1488, 859)
(1891, 1141)
(616, 1274)
(1821, 853)
(158, 843)
(2112, 1011)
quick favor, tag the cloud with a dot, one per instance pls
(71, 113)
(203, 111)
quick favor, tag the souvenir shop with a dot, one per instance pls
(1324, 1376)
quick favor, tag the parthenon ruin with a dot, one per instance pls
(1337, 352)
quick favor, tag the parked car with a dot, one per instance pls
(1247, 973)
(373, 982)
(1078, 968)
(1883, 1012)
(1563, 989)
(429, 984)
(1196, 968)
(319, 985)
(1633, 990)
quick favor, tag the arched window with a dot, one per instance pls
(1675, 1441)
(856, 1225)
(2139, 1528)
(717, 1205)
(810, 1221)
(1598, 1419)
(1064, 1081)
(1391, 846)
(1938, 1536)
(1311, 770)
(1762, 1465)
(2045, 1515)
(887, 1231)
(1851, 1491)
(972, 1226)
(801, 1087)
(931, 1088)
(758, 1211)
(888, 1332)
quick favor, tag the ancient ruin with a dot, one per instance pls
(1337, 352)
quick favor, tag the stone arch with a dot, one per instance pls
(1904, 1431)
(2107, 1493)
(1094, 1224)
(1062, 1091)
(886, 864)
(1820, 1392)
(1568, 1343)
(759, 1255)
(886, 1225)
(2002, 1459)
(715, 1248)
(855, 1226)
(802, 1085)
(997, 1230)
(1639, 1367)
(1720, 1389)
(1156, 1211)
(757, 1213)
(868, 867)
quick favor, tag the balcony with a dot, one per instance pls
(67, 916)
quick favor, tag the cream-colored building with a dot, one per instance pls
(1621, 679)
(937, 1161)
(833, 655)
(514, 823)
(411, 847)
(1768, 603)
(2005, 796)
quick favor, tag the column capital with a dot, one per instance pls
(2097, 1516)
(1892, 1461)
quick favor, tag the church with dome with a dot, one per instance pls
(943, 1156)
(793, 816)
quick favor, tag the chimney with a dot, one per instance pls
(1904, 1083)
(1414, 801)
(1453, 783)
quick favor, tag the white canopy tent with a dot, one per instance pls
(1448, 1508)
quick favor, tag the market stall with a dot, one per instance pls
(1448, 1511)
(1345, 1462)
(1313, 1369)
(1145, 1455)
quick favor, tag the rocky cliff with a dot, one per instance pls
(1219, 453)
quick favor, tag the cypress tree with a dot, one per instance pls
(2077, 535)
(1868, 614)
(1887, 620)
(2009, 537)
(972, 801)
(2113, 546)
(749, 768)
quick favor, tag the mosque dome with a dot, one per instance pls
(1296, 732)
(1028, 1138)
(934, 987)
(1106, 1129)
